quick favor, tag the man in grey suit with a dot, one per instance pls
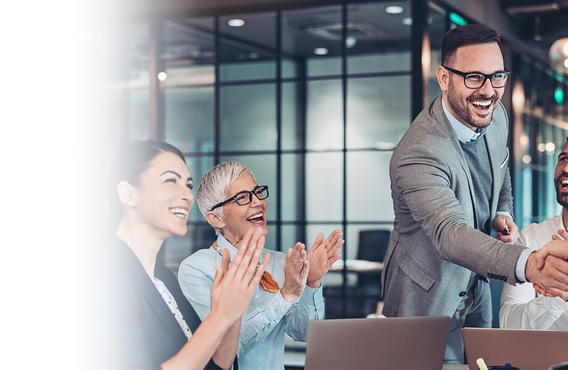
(450, 186)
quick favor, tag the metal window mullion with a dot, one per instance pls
(344, 147)
(278, 131)
(216, 117)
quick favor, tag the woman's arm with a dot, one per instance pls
(230, 294)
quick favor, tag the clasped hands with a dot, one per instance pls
(309, 267)
(547, 268)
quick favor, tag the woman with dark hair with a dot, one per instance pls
(153, 324)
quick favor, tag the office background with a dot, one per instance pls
(314, 95)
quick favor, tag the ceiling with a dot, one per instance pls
(539, 22)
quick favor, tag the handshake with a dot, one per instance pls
(547, 268)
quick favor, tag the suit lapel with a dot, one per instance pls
(151, 295)
(492, 142)
(154, 300)
(447, 129)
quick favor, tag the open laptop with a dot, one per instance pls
(389, 343)
(525, 349)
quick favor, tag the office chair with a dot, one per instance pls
(373, 245)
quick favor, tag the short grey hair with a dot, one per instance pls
(214, 184)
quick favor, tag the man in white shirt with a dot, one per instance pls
(521, 306)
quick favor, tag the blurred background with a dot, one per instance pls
(313, 96)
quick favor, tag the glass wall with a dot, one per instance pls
(541, 130)
(314, 100)
(311, 99)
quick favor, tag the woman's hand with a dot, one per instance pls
(296, 270)
(322, 255)
(235, 281)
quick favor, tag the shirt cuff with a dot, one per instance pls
(506, 213)
(313, 297)
(522, 264)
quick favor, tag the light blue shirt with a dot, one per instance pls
(466, 135)
(267, 317)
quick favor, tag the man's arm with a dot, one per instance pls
(423, 180)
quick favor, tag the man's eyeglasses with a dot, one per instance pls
(474, 80)
(245, 197)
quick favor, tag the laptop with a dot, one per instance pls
(388, 343)
(525, 349)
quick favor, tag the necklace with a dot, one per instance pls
(267, 282)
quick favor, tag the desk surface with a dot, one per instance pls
(357, 266)
(298, 359)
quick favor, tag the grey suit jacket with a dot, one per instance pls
(435, 245)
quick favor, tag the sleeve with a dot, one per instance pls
(259, 323)
(522, 309)
(196, 284)
(309, 307)
(422, 179)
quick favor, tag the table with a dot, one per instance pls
(359, 266)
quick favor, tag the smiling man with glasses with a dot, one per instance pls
(451, 188)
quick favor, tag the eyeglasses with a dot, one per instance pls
(245, 197)
(474, 80)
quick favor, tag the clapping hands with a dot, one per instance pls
(234, 283)
(322, 255)
(296, 270)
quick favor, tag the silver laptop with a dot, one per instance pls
(390, 343)
(525, 349)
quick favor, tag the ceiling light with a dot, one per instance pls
(559, 96)
(550, 147)
(541, 147)
(524, 140)
(394, 9)
(558, 56)
(236, 22)
(407, 21)
(527, 159)
(350, 41)
(320, 51)
(457, 19)
(162, 76)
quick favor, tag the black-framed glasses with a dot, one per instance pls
(245, 197)
(474, 80)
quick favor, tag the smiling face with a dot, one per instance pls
(239, 219)
(472, 107)
(164, 196)
(561, 177)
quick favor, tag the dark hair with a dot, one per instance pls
(134, 158)
(130, 162)
(467, 35)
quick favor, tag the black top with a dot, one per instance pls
(144, 332)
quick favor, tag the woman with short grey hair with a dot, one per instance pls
(289, 295)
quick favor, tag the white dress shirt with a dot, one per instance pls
(521, 306)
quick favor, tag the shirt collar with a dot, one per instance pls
(224, 244)
(464, 134)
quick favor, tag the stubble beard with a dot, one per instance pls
(461, 109)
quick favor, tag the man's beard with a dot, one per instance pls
(561, 198)
(460, 107)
